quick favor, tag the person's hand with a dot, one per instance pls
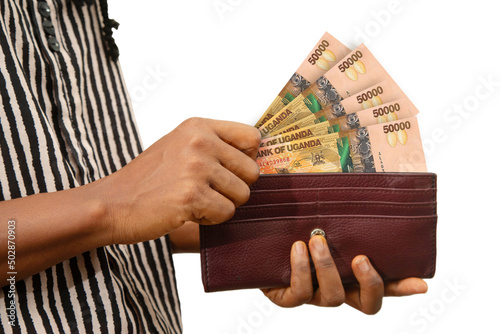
(199, 172)
(366, 295)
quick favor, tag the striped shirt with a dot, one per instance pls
(66, 121)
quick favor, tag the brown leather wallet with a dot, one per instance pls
(389, 217)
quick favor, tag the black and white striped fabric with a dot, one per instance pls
(66, 120)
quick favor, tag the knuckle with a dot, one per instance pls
(304, 295)
(198, 142)
(374, 282)
(219, 176)
(193, 122)
(190, 196)
(196, 164)
(302, 265)
(325, 262)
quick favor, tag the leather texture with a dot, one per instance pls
(259, 197)
(389, 217)
(339, 208)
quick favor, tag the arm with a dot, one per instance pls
(197, 173)
(50, 228)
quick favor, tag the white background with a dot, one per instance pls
(183, 59)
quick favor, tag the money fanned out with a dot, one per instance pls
(350, 116)
(390, 147)
(325, 54)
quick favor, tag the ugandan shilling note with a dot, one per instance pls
(389, 147)
(311, 155)
(310, 120)
(357, 71)
(375, 95)
(380, 93)
(287, 116)
(314, 126)
(403, 109)
(315, 130)
(325, 54)
(387, 112)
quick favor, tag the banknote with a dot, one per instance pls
(310, 120)
(318, 125)
(298, 119)
(389, 147)
(387, 112)
(314, 130)
(380, 93)
(401, 108)
(310, 155)
(325, 54)
(357, 71)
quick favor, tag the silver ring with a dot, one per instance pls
(318, 231)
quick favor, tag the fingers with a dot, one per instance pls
(300, 290)
(301, 287)
(331, 291)
(238, 163)
(405, 287)
(230, 186)
(244, 137)
(238, 172)
(210, 207)
(214, 157)
(368, 297)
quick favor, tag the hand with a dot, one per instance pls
(199, 172)
(366, 295)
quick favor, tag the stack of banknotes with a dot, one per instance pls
(340, 112)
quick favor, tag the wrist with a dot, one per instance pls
(100, 218)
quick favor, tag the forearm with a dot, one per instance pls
(50, 228)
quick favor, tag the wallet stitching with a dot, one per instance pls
(317, 207)
(417, 206)
(431, 176)
(409, 192)
(205, 252)
(434, 229)
(341, 189)
(339, 203)
(281, 219)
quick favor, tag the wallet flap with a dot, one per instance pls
(256, 253)
(389, 217)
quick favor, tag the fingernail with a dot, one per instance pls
(300, 248)
(318, 244)
(363, 265)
